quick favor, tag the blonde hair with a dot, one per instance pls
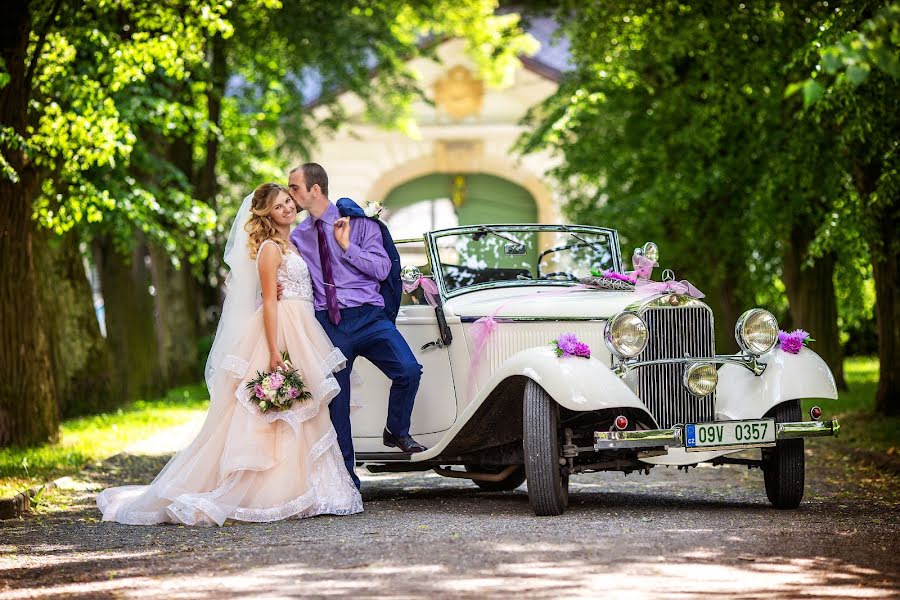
(259, 226)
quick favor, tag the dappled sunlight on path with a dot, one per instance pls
(709, 532)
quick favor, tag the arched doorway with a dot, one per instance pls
(439, 200)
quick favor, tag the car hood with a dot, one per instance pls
(550, 301)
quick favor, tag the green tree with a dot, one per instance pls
(855, 94)
(674, 126)
(115, 122)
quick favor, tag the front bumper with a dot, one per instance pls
(666, 438)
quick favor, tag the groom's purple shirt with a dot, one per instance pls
(357, 272)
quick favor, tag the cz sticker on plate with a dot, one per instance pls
(729, 434)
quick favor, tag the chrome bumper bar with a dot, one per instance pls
(749, 362)
(665, 438)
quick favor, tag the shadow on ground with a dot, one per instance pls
(707, 533)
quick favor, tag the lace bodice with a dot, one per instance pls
(293, 275)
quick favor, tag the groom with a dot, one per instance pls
(347, 262)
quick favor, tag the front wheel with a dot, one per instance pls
(548, 487)
(784, 465)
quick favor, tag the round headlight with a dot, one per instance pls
(700, 379)
(626, 335)
(756, 331)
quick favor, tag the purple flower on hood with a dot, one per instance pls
(583, 350)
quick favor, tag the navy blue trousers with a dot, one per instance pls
(366, 331)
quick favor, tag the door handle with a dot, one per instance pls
(436, 344)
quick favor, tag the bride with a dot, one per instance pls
(245, 464)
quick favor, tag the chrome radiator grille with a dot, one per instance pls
(675, 333)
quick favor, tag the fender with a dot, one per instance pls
(575, 383)
(742, 395)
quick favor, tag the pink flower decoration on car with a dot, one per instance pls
(793, 341)
(568, 345)
(610, 274)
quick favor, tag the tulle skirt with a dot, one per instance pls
(247, 465)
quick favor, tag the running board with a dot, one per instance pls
(382, 457)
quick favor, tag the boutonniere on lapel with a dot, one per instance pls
(373, 209)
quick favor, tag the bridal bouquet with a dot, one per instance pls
(279, 389)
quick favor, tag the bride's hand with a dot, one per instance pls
(275, 362)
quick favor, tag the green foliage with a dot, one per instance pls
(675, 126)
(87, 439)
(861, 426)
(118, 85)
(875, 46)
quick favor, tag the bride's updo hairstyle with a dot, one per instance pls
(260, 226)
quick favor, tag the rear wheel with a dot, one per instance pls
(512, 481)
(784, 465)
(548, 487)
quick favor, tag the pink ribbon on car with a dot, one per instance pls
(683, 287)
(643, 267)
(428, 287)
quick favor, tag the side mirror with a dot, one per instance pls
(410, 274)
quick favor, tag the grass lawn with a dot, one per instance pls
(87, 439)
(860, 426)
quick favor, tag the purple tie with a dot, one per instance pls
(334, 314)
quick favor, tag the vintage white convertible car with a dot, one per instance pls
(498, 405)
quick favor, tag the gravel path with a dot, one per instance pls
(708, 532)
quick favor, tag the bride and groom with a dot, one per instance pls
(314, 292)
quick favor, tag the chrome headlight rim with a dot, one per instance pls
(608, 334)
(693, 368)
(739, 328)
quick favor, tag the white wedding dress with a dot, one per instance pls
(247, 465)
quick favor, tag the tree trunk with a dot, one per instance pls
(207, 185)
(886, 271)
(130, 329)
(176, 319)
(82, 364)
(28, 412)
(884, 222)
(813, 304)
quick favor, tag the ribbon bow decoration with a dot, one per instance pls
(683, 287)
(643, 267)
(428, 287)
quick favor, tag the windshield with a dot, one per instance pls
(522, 254)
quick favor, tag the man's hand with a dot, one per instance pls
(342, 232)
(279, 290)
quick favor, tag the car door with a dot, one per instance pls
(435, 408)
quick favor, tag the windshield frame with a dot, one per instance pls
(431, 242)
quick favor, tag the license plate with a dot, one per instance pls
(729, 434)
